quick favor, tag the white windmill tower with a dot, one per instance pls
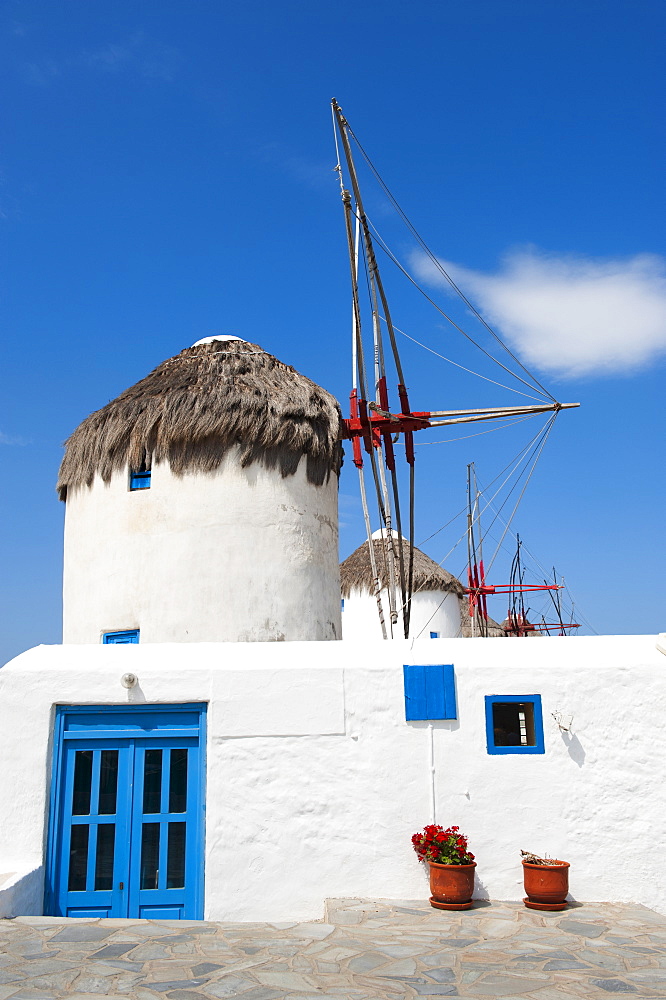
(436, 602)
(202, 505)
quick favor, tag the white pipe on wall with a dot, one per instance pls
(433, 794)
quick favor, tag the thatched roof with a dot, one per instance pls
(196, 406)
(356, 570)
(494, 629)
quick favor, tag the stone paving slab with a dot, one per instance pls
(362, 950)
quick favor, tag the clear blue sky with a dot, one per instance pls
(166, 174)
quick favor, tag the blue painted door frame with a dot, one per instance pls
(127, 808)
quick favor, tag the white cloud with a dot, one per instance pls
(12, 439)
(570, 315)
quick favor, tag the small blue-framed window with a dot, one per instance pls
(514, 723)
(140, 480)
(112, 638)
(434, 635)
(430, 692)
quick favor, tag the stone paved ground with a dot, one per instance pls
(364, 950)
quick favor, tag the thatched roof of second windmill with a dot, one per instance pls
(193, 408)
(356, 570)
(493, 629)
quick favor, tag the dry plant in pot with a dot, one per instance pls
(546, 882)
(451, 866)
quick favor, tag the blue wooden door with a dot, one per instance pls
(126, 837)
(163, 821)
(95, 831)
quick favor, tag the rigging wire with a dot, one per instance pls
(567, 608)
(437, 263)
(527, 395)
(389, 253)
(538, 448)
(546, 435)
(497, 491)
(579, 614)
(508, 551)
(431, 618)
(469, 531)
(388, 542)
(352, 247)
(338, 161)
(514, 461)
(541, 435)
(538, 438)
(534, 457)
(371, 552)
(541, 568)
(464, 437)
(376, 293)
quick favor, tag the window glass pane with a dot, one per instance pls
(178, 782)
(150, 855)
(526, 720)
(82, 782)
(108, 782)
(106, 835)
(176, 856)
(78, 858)
(513, 724)
(152, 781)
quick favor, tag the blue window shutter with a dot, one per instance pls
(450, 703)
(430, 692)
(415, 692)
(115, 638)
(434, 691)
(140, 480)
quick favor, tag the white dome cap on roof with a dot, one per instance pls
(217, 336)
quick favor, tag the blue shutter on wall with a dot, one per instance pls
(140, 480)
(113, 638)
(430, 692)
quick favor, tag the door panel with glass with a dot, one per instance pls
(127, 821)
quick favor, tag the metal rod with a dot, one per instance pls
(355, 332)
(504, 410)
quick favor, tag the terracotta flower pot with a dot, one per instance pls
(451, 886)
(546, 885)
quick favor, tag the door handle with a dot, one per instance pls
(122, 885)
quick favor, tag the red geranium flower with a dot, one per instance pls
(446, 847)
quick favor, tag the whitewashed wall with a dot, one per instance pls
(316, 782)
(239, 555)
(432, 611)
